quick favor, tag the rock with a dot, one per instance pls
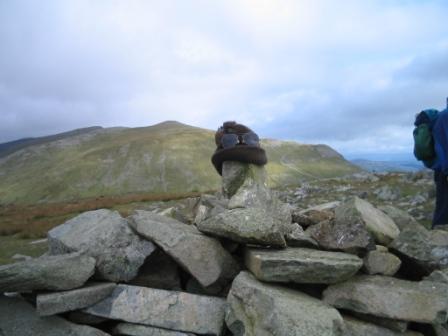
(300, 218)
(356, 211)
(185, 211)
(61, 272)
(396, 325)
(391, 298)
(18, 317)
(329, 206)
(301, 265)
(141, 330)
(201, 214)
(21, 257)
(165, 309)
(387, 193)
(364, 177)
(299, 238)
(422, 250)
(418, 199)
(253, 192)
(245, 183)
(61, 302)
(352, 237)
(257, 308)
(401, 218)
(246, 225)
(359, 328)
(381, 248)
(158, 271)
(106, 236)
(440, 329)
(438, 276)
(202, 256)
(384, 263)
(312, 216)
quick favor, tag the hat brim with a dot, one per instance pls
(242, 153)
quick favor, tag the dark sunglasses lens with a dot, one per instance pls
(251, 139)
(229, 140)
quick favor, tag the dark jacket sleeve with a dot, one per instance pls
(440, 133)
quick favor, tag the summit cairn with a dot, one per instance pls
(241, 262)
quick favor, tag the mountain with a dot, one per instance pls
(388, 166)
(10, 147)
(169, 157)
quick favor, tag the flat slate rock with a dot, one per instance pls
(354, 327)
(60, 272)
(164, 309)
(19, 318)
(301, 265)
(104, 235)
(142, 330)
(382, 296)
(422, 249)
(357, 210)
(246, 225)
(258, 308)
(60, 302)
(202, 256)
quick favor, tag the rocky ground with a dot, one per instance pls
(346, 256)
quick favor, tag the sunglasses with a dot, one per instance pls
(231, 140)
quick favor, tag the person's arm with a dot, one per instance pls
(440, 133)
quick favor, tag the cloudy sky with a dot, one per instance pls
(351, 74)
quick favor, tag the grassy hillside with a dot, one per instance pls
(166, 158)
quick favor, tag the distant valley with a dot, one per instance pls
(388, 166)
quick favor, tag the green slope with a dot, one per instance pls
(167, 157)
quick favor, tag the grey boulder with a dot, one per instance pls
(257, 308)
(18, 317)
(106, 236)
(165, 309)
(391, 298)
(357, 210)
(60, 272)
(202, 256)
(60, 302)
(422, 249)
(301, 265)
(401, 218)
(347, 237)
(383, 263)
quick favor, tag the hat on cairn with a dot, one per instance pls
(236, 142)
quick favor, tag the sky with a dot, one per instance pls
(351, 74)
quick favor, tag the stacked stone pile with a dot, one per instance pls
(240, 264)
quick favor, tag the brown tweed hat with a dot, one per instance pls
(242, 152)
